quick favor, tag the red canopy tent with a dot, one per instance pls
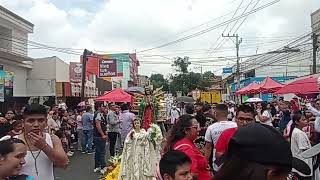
(246, 89)
(116, 95)
(301, 87)
(254, 89)
(268, 85)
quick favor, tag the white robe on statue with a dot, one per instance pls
(140, 156)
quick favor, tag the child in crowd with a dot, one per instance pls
(17, 128)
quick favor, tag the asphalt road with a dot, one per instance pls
(80, 168)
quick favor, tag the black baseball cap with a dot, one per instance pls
(261, 144)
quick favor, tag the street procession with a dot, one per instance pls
(159, 90)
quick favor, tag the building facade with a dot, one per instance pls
(315, 22)
(142, 80)
(125, 72)
(14, 60)
(47, 75)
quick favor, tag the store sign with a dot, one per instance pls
(75, 72)
(107, 68)
(227, 70)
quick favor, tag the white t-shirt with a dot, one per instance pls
(300, 143)
(266, 114)
(79, 122)
(53, 124)
(214, 131)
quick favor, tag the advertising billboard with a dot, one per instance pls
(75, 71)
(107, 68)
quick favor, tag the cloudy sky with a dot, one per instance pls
(111, 26)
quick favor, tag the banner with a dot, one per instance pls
(107, 68)
(75, 72)
(8, 79)
(226, 70)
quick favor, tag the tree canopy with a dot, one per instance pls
(184, 80)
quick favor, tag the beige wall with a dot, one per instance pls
(62, 71)
(44, 75)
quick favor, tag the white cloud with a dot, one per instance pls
(79, 13)
(126, 25)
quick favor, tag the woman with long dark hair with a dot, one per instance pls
(300, 142)
(263, 114)
(181, 137)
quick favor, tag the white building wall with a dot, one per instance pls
(43, 68)
(41, 87)
(20, 42)
(44, 75)
(5, 42)
(62, 71)
(283, 64)
(315, 22)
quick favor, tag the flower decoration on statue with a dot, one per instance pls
(113, 170)
(155, 134)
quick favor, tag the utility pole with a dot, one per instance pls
(238, 42)
(85, 55)
(315, 48)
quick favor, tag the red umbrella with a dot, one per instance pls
(268, 85)
(116, 95)
(304, 86)
(246, 89)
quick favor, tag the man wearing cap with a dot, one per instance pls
(244, 115)
(256, 152)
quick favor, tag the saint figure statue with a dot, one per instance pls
(141, 153)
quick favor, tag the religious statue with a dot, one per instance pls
(148, 109)
(141, 153)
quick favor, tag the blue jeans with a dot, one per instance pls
(81, 141)
(100, 152)
(88, 140)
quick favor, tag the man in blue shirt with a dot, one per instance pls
(87, 123)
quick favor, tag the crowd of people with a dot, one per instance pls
(221, 142)
(250, 141)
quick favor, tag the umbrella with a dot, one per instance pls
(83, 103)
(253, 100)
(135, 89)
(185, 99)
(301, 87)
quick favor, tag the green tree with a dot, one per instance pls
(157, 80)
(181, 64)
(187, 81)
(205, 80)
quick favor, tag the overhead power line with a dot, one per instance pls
(210, 28)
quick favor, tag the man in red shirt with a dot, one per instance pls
(244, 115)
